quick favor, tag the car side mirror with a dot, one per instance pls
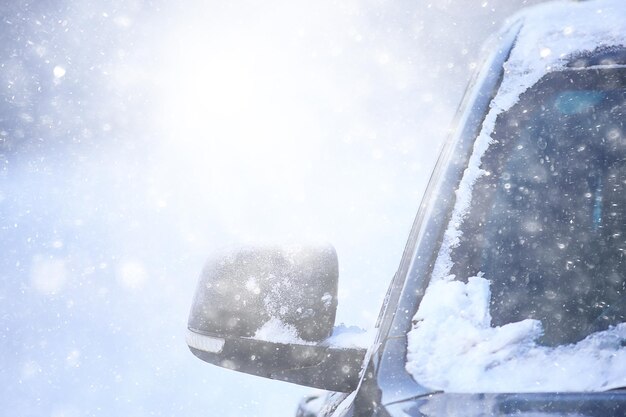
(269, 311)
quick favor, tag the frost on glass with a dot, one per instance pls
(527, 293)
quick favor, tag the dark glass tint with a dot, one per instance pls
(547, 224)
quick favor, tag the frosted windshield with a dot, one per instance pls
(528, 292)
(547, 224)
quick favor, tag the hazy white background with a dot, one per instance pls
(138, 136)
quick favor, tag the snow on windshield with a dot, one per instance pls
(453, 346)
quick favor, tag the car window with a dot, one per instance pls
(546, 222)
(528, 281)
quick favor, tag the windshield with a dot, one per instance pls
(529, 281)
(547, 222)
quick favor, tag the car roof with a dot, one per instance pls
(552, 33)
(553, 36)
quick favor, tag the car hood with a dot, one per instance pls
(601, 404)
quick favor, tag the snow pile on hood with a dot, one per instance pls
(452, 345)
(454, 348)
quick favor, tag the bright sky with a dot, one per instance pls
(139, 137)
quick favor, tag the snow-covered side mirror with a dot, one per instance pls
(269, 311)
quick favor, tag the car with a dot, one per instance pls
(510, 298)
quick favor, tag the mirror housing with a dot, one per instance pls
(240, 290)
(268, 311)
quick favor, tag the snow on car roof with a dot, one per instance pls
(554, 32)
(452, 345)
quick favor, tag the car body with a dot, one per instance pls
(522, 211)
